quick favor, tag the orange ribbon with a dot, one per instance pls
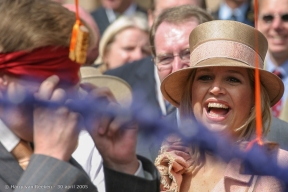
(257, 87)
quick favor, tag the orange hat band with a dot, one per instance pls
(225, 49)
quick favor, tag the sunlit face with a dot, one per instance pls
(171, 39)
(222, 98)
(275, 30)
(129, 45)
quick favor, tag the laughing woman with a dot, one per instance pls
(218, 90)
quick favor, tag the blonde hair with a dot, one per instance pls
(138, 20)
(245, 132)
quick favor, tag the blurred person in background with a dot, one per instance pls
(109, 11)
(142, 74)
(236, 10)
(94, 35)
(273, 23)
(124, 41)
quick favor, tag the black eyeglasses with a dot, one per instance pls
(269, 18)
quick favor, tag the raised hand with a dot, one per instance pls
(114, 137)
(55, 128)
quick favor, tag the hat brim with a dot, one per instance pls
(173, 86)
(120, 89)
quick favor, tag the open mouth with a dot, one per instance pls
(217, 109)
(278, 38)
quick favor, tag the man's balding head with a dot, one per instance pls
(157, 6)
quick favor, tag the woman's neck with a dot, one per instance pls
(207, 177)
(212, 161)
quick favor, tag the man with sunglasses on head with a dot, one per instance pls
(273, 23)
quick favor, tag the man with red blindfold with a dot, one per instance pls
(34, 63)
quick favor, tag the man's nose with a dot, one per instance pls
(178, 64)
(277, 22)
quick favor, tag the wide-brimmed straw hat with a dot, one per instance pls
(222, 43)
(120, 89)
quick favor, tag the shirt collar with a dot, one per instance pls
(160, 98)
(8, 139)
(225, 12)
(129, 11)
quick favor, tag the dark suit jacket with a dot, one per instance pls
(59, 175)
(279, 133)
(140, 76)
(102, 20)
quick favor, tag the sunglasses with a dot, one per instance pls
(269, 18)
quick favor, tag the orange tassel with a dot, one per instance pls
(79, 40)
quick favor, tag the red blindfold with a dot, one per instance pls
(41, 63)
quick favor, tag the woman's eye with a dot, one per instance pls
(233, 79)
(128, 48)
(205, 78)
(165, 60)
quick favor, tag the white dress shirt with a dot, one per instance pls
(129, 11)
(225, 12)
(87, 155)
(8, 139)
(159, 95)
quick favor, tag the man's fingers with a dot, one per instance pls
(121, 122)
(88, 86)
(96, 93)
(47, 87)
(104, 125)
(59, 95)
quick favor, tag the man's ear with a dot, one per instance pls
(3, 81)
(3, 86)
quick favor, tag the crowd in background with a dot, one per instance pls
(175, 58)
